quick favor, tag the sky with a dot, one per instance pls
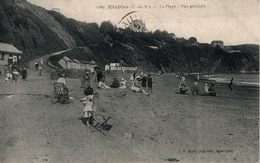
(232, 21)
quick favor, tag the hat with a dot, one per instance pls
(87, 72)
(206, 83)
(195, 83)
(138, 77)
(122, 79)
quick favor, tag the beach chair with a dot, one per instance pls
(60, 94)
(101, 122)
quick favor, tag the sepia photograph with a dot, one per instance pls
(98, 81)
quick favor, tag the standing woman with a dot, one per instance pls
(24, 73)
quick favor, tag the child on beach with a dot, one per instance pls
(8, 77)
(88, 107)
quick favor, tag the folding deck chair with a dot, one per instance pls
(102, 126)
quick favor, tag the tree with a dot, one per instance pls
(106, 27)
(192, 40)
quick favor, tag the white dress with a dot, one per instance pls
(89, 107)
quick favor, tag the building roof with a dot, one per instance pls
(4, 47)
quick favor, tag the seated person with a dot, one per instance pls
(195, 89)
(102, 85)
(206, 89)
(136, 86)
(182, 86)
(62, 79)
(64, 91)
(212, 91)
(115, 83)
(123, 84)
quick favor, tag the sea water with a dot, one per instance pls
(238, 79)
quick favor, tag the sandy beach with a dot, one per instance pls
(163, 127)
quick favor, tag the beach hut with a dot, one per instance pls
(10, 56)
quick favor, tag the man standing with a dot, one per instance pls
(24, 74)
(230, 86)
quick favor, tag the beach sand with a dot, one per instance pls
(162, 127)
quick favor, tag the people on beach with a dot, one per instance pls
(122, 84)
(143, 81)
(206, 89)
(85, 80)
(99, 75)
(212, 91)
(132, 78)
(102, 85)
(62, 79)
(36, 64)
(150, 83)
(40, 70)
(8, 77)
(88, 106)
(115, 83)
(195, 89)
(15, 75)
(230, 86)
(41, 61)
(135, 86)
(183, 88)
(24, 73)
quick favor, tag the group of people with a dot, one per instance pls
(13, 77)
(208, 90)
(140, 83)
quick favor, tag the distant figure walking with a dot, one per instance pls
(36, 64)
(150, 83)
(24, 73)
(230, 86)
